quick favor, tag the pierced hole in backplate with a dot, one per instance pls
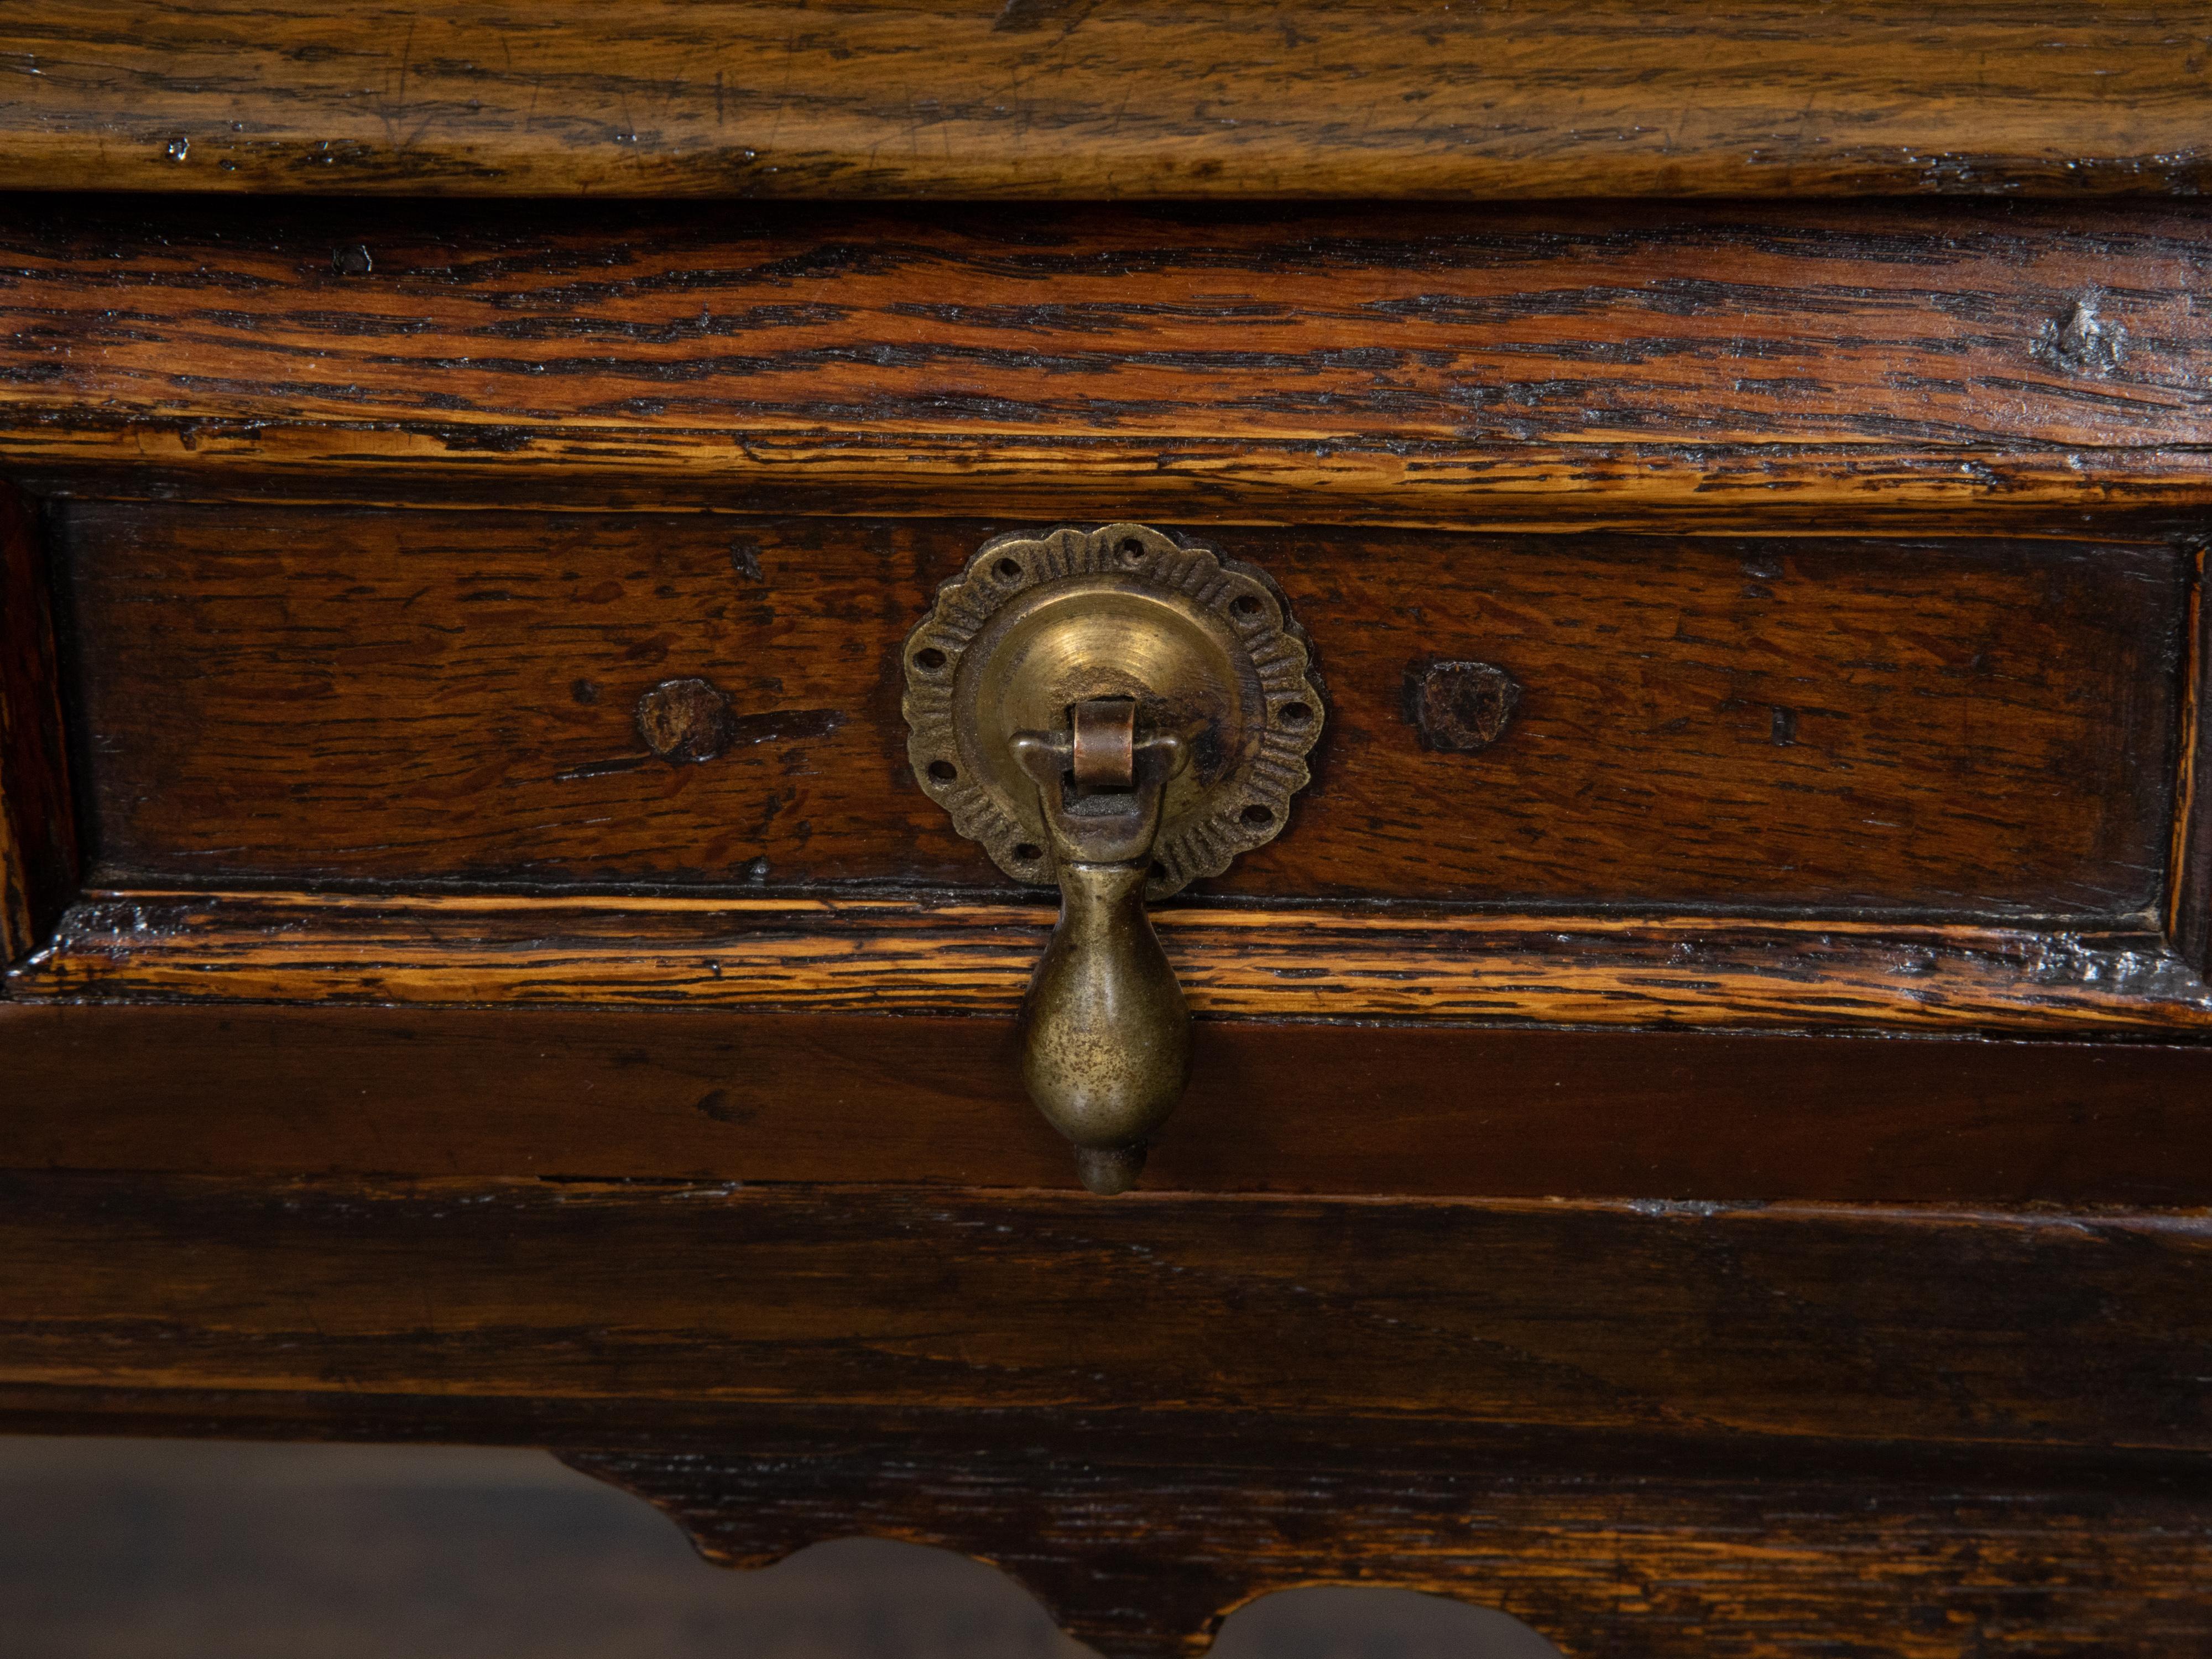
(1132, 550)
(1245, 605)
(929, 659)
(943, 771)
(1025, 854)
(1257, 816)
(1008, 569)
(1294, 714)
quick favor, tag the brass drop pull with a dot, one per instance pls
(1106, 1037)
(1120, 712)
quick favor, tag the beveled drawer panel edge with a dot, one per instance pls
(1765, 488)
(893, 955)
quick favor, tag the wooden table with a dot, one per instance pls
(1697, 1134)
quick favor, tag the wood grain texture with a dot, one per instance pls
(1140, 1549)
(37, 831)
(887, 955)
(1041, 98)
(1955, 728)
(1440, 366)
(646, 1095)
(2189, 889)
(1961, 1329)
(1140, 1534)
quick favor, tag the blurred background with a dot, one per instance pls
(152, 1549)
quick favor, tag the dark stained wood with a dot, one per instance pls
(886, 955)
(1949, 727)
(1140, 1538)
(1442, 366)
(1043, 98)
(1140, 1534)
(1971, 1329)
(259, 1092)
(38, 833)
(1795, 1345)
(1138, 1554)
(2189, 892)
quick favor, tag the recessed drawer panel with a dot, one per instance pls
(1941, 727)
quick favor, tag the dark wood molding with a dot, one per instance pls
(1756, 488)
(893, 955)
(37, 831)
(636, 1094)
(1139, 1547)
(1139, 1533)
(1046, 98)
(1446, 367)
(1986, 1332)
(2189, 884)
(653, 1094)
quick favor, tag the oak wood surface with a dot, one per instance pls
(1139, 1532)
(37, 831)
(269, 1092)
(1437, 366)
(886, 954)
(2189, 889)
(1750, 1257)
(1950, 727)
(1138, 1550)
(1968, 1328)
(1043, 98)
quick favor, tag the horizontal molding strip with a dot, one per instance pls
(1983, 1332)
(1316, 363)
(1033, 98)
(1770, 487)
(887, 956)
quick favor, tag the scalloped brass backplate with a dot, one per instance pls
(1041, 621)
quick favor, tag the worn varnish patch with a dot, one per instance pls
(1974, 726)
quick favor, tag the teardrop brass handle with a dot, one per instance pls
(1121, 712)
(1106, 1034)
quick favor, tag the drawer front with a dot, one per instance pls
(1929, 728)
(1738, 618)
